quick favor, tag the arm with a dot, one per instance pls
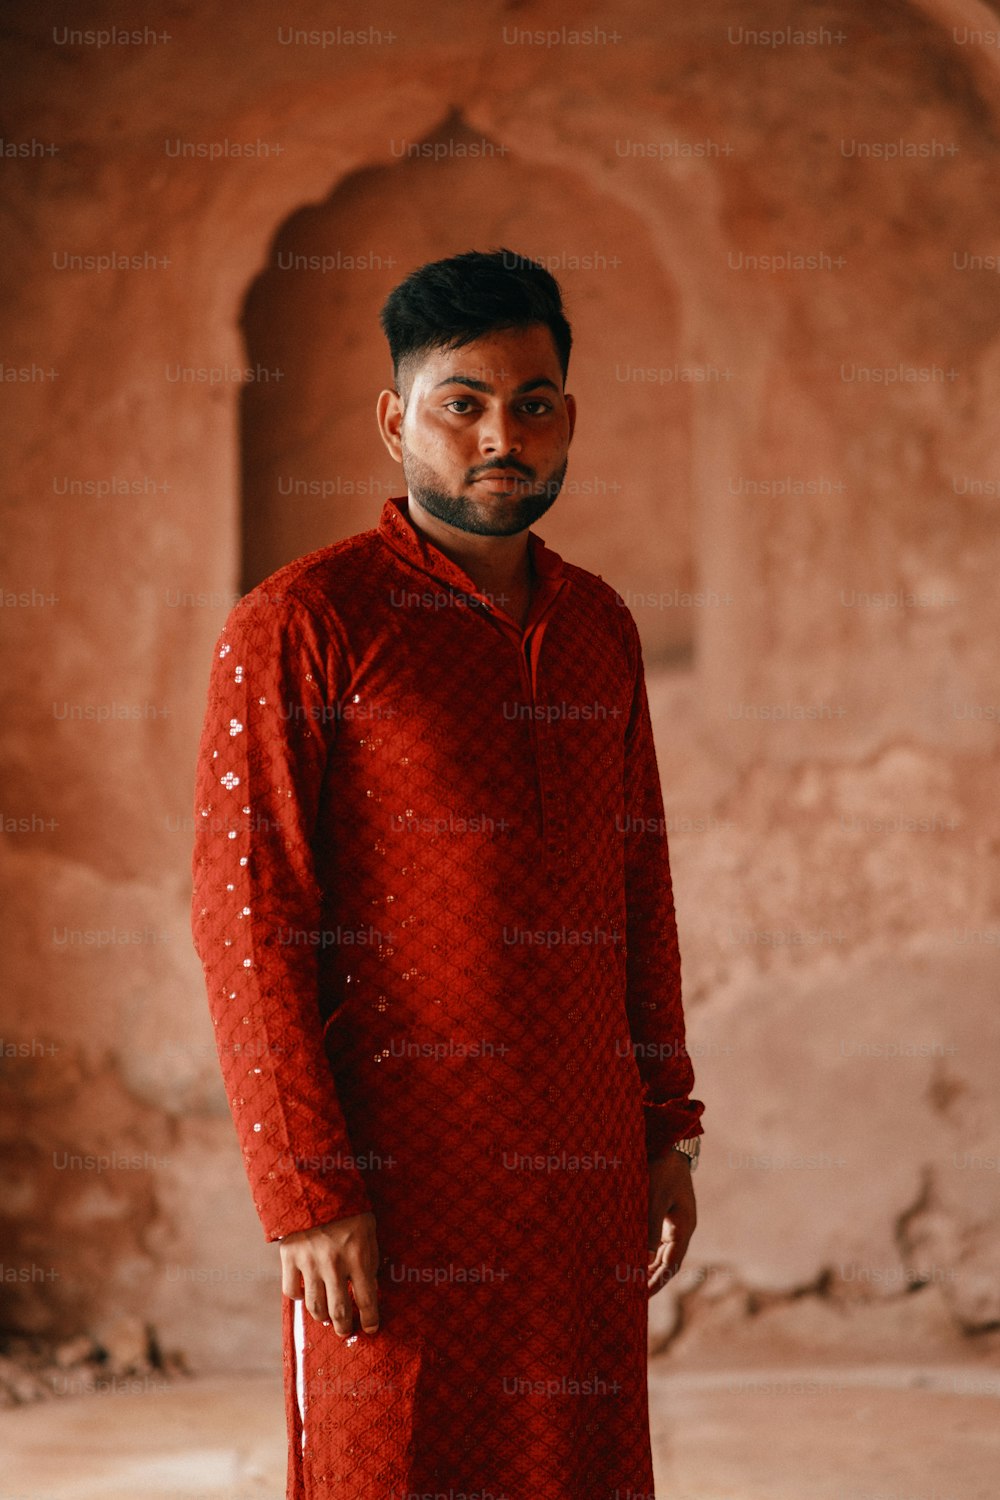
(653, 972)
(260, 769)
(653, 998)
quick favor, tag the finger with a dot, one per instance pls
(293, 1284)
(314, 1298)
(341, 1307)
(679, 1248)
(657, 1268)
(291, 1281)
(660, 1224)
(657, 1271)
(365, 1292)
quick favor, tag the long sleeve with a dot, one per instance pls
(256, 900)
(653, 997)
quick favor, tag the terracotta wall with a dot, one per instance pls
(779, 248)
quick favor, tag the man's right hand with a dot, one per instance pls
(322, 1265)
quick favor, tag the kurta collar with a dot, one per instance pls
(409, 542)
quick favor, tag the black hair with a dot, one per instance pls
(447, 304)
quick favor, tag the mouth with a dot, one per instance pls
(501, 479)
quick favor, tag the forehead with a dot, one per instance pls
(504, 358)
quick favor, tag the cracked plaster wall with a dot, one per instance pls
(848, 1195)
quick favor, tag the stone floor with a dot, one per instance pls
(875, 1433)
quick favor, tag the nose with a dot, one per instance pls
(499, 433)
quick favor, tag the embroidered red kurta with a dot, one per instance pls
(433, 902)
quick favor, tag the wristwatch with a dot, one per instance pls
(689, 1148)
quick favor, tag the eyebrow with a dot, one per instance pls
(482, 385)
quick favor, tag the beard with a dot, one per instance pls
(504, 516)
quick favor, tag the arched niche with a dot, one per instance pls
(313, 466)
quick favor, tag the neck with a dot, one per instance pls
(496, 564)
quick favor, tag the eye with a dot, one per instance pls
(541, 406)
(460, 401)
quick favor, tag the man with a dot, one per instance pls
(433, 902)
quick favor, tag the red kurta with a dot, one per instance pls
(433, 902)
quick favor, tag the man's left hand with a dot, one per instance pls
(672, 1217)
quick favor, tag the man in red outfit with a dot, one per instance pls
(433, 902)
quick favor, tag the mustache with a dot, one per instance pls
(504, 463)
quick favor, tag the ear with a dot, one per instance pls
(389, 412)
(571, 414)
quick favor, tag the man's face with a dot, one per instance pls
(484, 431)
